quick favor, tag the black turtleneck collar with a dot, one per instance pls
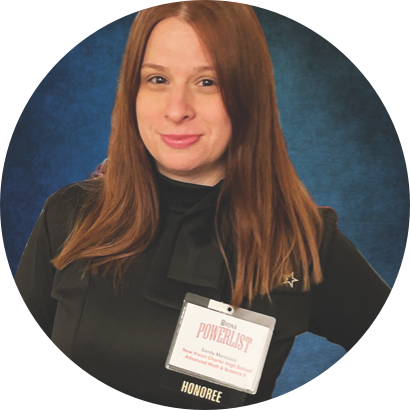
(186, 197)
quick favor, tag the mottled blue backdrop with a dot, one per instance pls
(340, 139)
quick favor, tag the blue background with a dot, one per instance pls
(339, 135)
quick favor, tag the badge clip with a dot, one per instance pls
(220, 307)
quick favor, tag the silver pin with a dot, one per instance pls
(290, 280)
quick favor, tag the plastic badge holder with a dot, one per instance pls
(221, 344)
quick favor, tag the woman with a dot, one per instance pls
(197, 195)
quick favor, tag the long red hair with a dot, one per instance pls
(264, 214)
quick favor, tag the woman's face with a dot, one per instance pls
(181, 117)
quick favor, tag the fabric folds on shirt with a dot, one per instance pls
(188, 257)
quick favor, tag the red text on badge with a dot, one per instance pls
(224, 335)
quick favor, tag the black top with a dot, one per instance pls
(122, 338)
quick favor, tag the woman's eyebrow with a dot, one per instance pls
(160, 67)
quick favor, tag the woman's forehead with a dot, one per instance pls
(174, 41)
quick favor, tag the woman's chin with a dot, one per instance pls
(178, 171)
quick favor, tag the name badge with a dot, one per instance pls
(221, 344)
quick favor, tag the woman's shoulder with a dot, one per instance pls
(64, 204)
(329, 219)
(70, 191)
(329, 216)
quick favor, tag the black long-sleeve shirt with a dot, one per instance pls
(122, 337)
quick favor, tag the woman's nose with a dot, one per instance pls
(179, 104)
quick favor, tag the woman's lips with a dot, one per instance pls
(180, 141)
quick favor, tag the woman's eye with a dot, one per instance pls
(207, 83)
(157, 80)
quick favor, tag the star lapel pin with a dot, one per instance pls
(290, 280)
